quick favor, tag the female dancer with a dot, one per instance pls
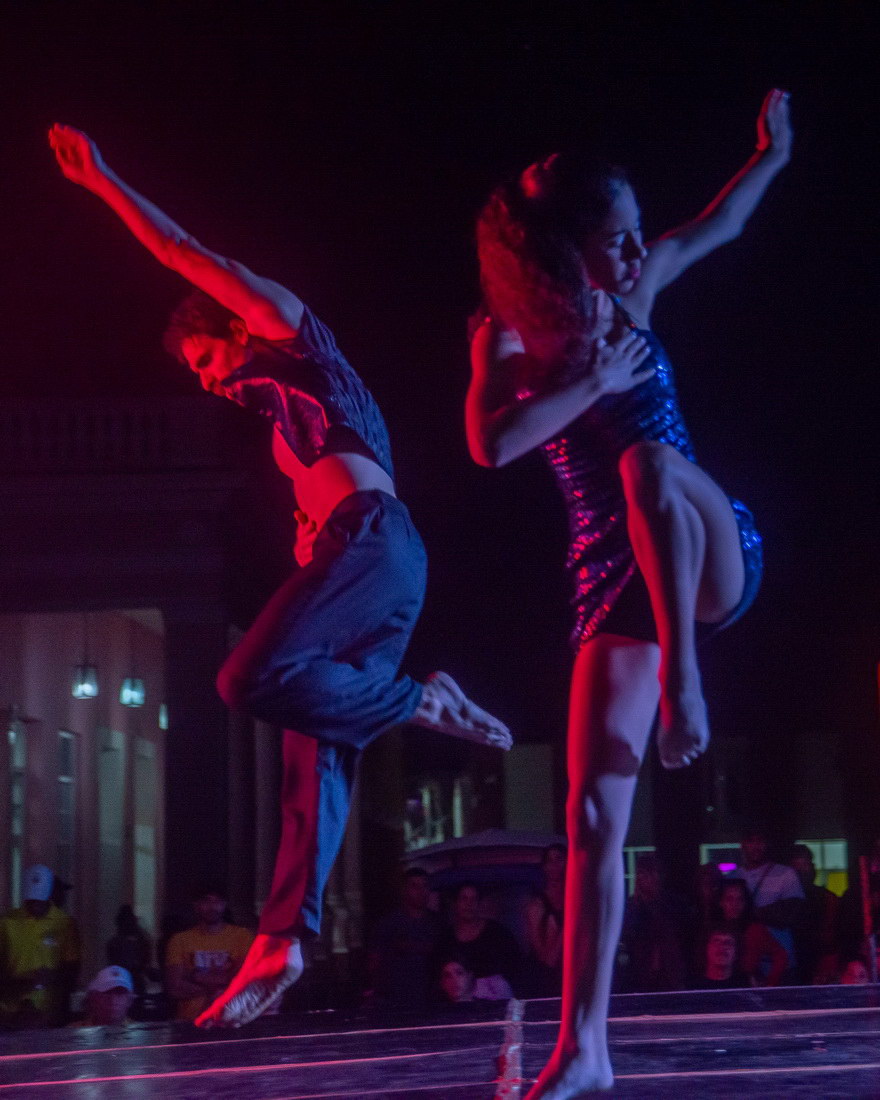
(565, 361)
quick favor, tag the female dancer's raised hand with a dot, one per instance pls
(774, 124)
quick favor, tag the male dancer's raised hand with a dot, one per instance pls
(77, 155)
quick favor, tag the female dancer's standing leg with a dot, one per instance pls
(614, 697)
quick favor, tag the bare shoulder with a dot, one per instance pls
(491, 344)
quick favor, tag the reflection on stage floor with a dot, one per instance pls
(805, 1042)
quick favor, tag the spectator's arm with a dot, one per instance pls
(237, 956)
(785, 913)
(509, 955)
(788, 909)
(180, 983)
(759, 944)
(543, 933)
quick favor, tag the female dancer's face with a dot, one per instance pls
(614, 252)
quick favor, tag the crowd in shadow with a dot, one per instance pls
(764, 923)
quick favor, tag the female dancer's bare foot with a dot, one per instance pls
(445, 707)
(683, 732)
(272, 964)
(572, 1077)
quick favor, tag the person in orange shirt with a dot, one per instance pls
(202, 961)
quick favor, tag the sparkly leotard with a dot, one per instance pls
(584, 458)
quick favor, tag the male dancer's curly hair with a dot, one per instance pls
(197, 314)
(530, 236)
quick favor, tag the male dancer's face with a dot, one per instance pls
(214, 358)
(614, 252)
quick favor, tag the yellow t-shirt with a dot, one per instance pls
(31, 943)
(198, 950)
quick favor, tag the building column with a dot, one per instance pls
(679, 804)
(196, 751)
(267, 808)
(242, 825)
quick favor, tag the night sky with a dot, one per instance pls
(344, 150)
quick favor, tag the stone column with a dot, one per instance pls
(267, 812)
(196, 750)
(242, 816)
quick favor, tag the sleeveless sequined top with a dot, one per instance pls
(584, 458)
(313, 395)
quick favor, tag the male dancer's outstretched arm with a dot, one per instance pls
(269, 310)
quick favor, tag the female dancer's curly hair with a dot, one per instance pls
(530, 236)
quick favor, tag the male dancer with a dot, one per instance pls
(322, 658)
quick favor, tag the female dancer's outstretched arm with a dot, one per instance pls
(726, 215)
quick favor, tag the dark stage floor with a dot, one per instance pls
(797, 1042)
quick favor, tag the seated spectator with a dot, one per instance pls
(404, 947)
(652, 933)
(130, 948)
(543, 920)
(719, 969)
(39, 957)
(776, 891)
(815, 938)
(762, 958)
(486, 947)
(459, 984)
(855, 973)
(851, 930)
(201, 962)
(108, 998)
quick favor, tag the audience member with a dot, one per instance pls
(855, 973)
(762, 958)
(815, 938)
(484, 945)
(39, 956)
(109, 997)
(776, 891)
(459, 983)
(404, 947)
(200, 962)
(130, 948)
(720, 969)
(543, 921)
(851, 930)
(652, 933)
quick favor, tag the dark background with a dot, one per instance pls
(345, 149)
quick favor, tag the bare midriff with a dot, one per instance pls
(319, 488)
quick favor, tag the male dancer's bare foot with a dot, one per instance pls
(272, 964)
(445, 707)
(683, 731)
(572, 1077)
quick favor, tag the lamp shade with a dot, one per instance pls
(132, 694)
(85, 682)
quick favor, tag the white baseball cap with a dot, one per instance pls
(38, 882)
(111, 977)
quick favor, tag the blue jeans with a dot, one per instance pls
(321, 660)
